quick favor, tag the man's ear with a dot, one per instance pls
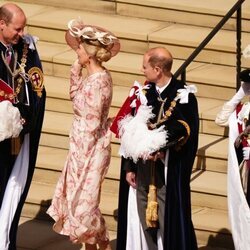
(2, 24)
(157, 69)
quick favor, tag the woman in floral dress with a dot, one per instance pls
(75, 205)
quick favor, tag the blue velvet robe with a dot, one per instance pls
(33, 114)
(179, 232)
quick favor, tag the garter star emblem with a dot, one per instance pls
(36, 78)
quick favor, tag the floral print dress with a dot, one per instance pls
(75, 205)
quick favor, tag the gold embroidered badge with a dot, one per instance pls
(36, 78)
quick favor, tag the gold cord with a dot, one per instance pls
(166, 115)
(15, 72)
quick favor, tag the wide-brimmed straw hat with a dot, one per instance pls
(78, 32)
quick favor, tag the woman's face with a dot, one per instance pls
(83, 56)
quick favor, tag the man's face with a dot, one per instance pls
(11, 32)
(246, 87)
(149, 72)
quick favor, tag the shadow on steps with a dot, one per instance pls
(37, 233)
(222, 241)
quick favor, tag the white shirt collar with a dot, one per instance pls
(161, 89)
(7, 46)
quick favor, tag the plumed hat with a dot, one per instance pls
(78, 31)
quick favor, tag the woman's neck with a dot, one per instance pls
(94, 68)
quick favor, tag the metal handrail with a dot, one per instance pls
(237, 7)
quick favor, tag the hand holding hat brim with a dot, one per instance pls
(78, 31)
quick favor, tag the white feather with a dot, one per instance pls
(10, 125)
(137, 141)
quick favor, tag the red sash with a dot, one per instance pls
(124, 110)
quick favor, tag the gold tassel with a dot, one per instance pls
(152, 204)
(152, 208)
(15, 145)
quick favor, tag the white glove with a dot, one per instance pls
(229, 107)
(236, 99)
(246, 153)
(222, 118)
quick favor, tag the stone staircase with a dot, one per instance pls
(178, 25)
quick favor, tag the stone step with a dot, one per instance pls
(195, 12)
(212, 81)
(40, 195)
(53, 159)
(212, 159)
(208, 187)
(208, 222)
(212, 228)
(138, 34)
(58, 101)
(211, 154)
(36, 234)
(207, 113)
(93, 5)
(205, 13)
(133, 36)
(58, 88)
(60, 123)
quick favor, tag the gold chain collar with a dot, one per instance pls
(20, 80)
(166, 115)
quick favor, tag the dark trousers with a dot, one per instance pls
(151, 233)
(143, 182)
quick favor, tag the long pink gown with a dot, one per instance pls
(75, 205)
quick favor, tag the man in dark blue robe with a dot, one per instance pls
(23, 75)
(173, 171)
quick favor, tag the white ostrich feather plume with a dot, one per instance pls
(137, 141)
(10, 125)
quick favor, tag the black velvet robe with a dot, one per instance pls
(179, 232)
(33, 114)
